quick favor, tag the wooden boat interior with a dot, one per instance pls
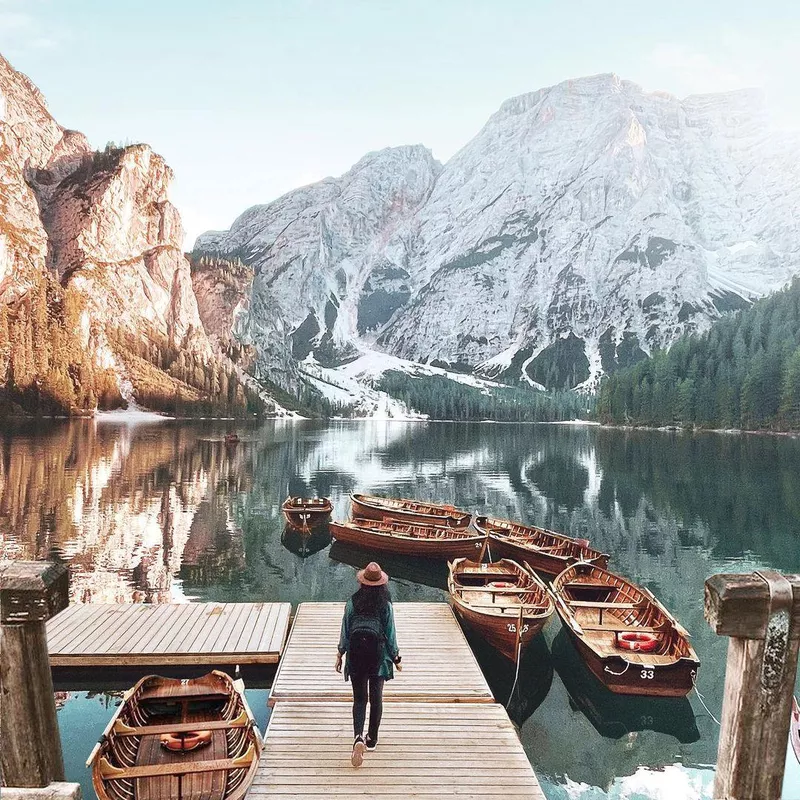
(408, 530)
(604, 605)
(502, 587)
(133, 763)
(537, 538)
(416, 506)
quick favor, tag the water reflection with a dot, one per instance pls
(306, 543)
(167, 512)
(615, 715)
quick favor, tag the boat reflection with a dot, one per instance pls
(306, 543)
(614, 715)
(417, 570)
(533, 682)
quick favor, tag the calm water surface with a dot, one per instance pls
(165, 512)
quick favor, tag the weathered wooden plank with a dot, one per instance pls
(438, 664)
(307, 754)
(189, 633)
(760, 613)
(736, 605)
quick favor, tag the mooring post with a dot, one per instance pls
(30, 593)
(761, 614)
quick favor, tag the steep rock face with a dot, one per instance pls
(323, 268)
(96, 298)
(584, 225)
(115, 235)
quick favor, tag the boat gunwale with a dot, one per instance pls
(648, 601)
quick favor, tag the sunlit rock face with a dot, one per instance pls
(99, 223)
(585, 224)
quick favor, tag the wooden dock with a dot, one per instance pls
(442, 734)
(140, 634)
(438, 664)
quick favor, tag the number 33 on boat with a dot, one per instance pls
(626, 637)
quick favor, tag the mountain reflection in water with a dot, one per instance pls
(168, 513)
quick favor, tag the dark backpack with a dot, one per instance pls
(365, 644)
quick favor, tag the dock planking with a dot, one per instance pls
(143, 634)
(468, 751)
(438, 664)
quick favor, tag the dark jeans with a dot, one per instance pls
(360, 684)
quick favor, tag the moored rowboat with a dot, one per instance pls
(794, 731)
(306, 512)
(543, 550)
(388, 509)
(408, 539)
(505, 603)
(626, 637)
(173, 738)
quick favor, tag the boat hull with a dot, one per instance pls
(623, 677)
(794, 733)
(540, 561)
(363, 508)
(462, 547)
(303, 517)
(501, 632)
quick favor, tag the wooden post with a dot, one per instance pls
(30, 593)
(761, 614)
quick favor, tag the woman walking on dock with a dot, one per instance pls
(369, 641)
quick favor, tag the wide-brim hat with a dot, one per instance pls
(372, 575)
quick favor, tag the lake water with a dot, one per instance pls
(164, 511)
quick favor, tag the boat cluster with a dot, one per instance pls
(497, 574)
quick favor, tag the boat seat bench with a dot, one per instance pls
(182, 727)
(177, 768)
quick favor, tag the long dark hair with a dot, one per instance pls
(371, 600)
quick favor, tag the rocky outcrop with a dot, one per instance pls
(586, 224)
(95, 292)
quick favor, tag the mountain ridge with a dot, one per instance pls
(585, 225)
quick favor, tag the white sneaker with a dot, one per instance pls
(357, 758)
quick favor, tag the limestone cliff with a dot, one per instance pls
(96, 298)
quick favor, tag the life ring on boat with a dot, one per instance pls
(637, 642)
(185, 742)
(501, 585)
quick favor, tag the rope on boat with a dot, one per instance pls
(701, 699)
(617, 674)
(516, 672)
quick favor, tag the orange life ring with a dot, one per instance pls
(501, 585)
(185, 742)
(637, 642)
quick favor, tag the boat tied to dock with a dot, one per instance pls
(178, 738)
(629, 641)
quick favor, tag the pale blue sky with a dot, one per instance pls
(248, 99)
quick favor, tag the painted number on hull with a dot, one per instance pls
(512, 628)
(646, 674)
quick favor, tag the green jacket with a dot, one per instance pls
(389, 650)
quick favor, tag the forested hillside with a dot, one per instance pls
(743, 373)
(441, 398)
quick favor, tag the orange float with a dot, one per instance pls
(637, 642)
(185, 742)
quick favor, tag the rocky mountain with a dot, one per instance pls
(96, 297)
(585, 225)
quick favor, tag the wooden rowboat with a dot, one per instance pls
(794, 731)
(545, 551)
(626, 637)
(407, 539)
(304, 513)
(507, 604)
(144, 752)
(389, 509)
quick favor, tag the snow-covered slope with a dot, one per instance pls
(585, 224)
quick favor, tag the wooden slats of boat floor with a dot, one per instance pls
(438, 664)
(171, 634)
(431, 750)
